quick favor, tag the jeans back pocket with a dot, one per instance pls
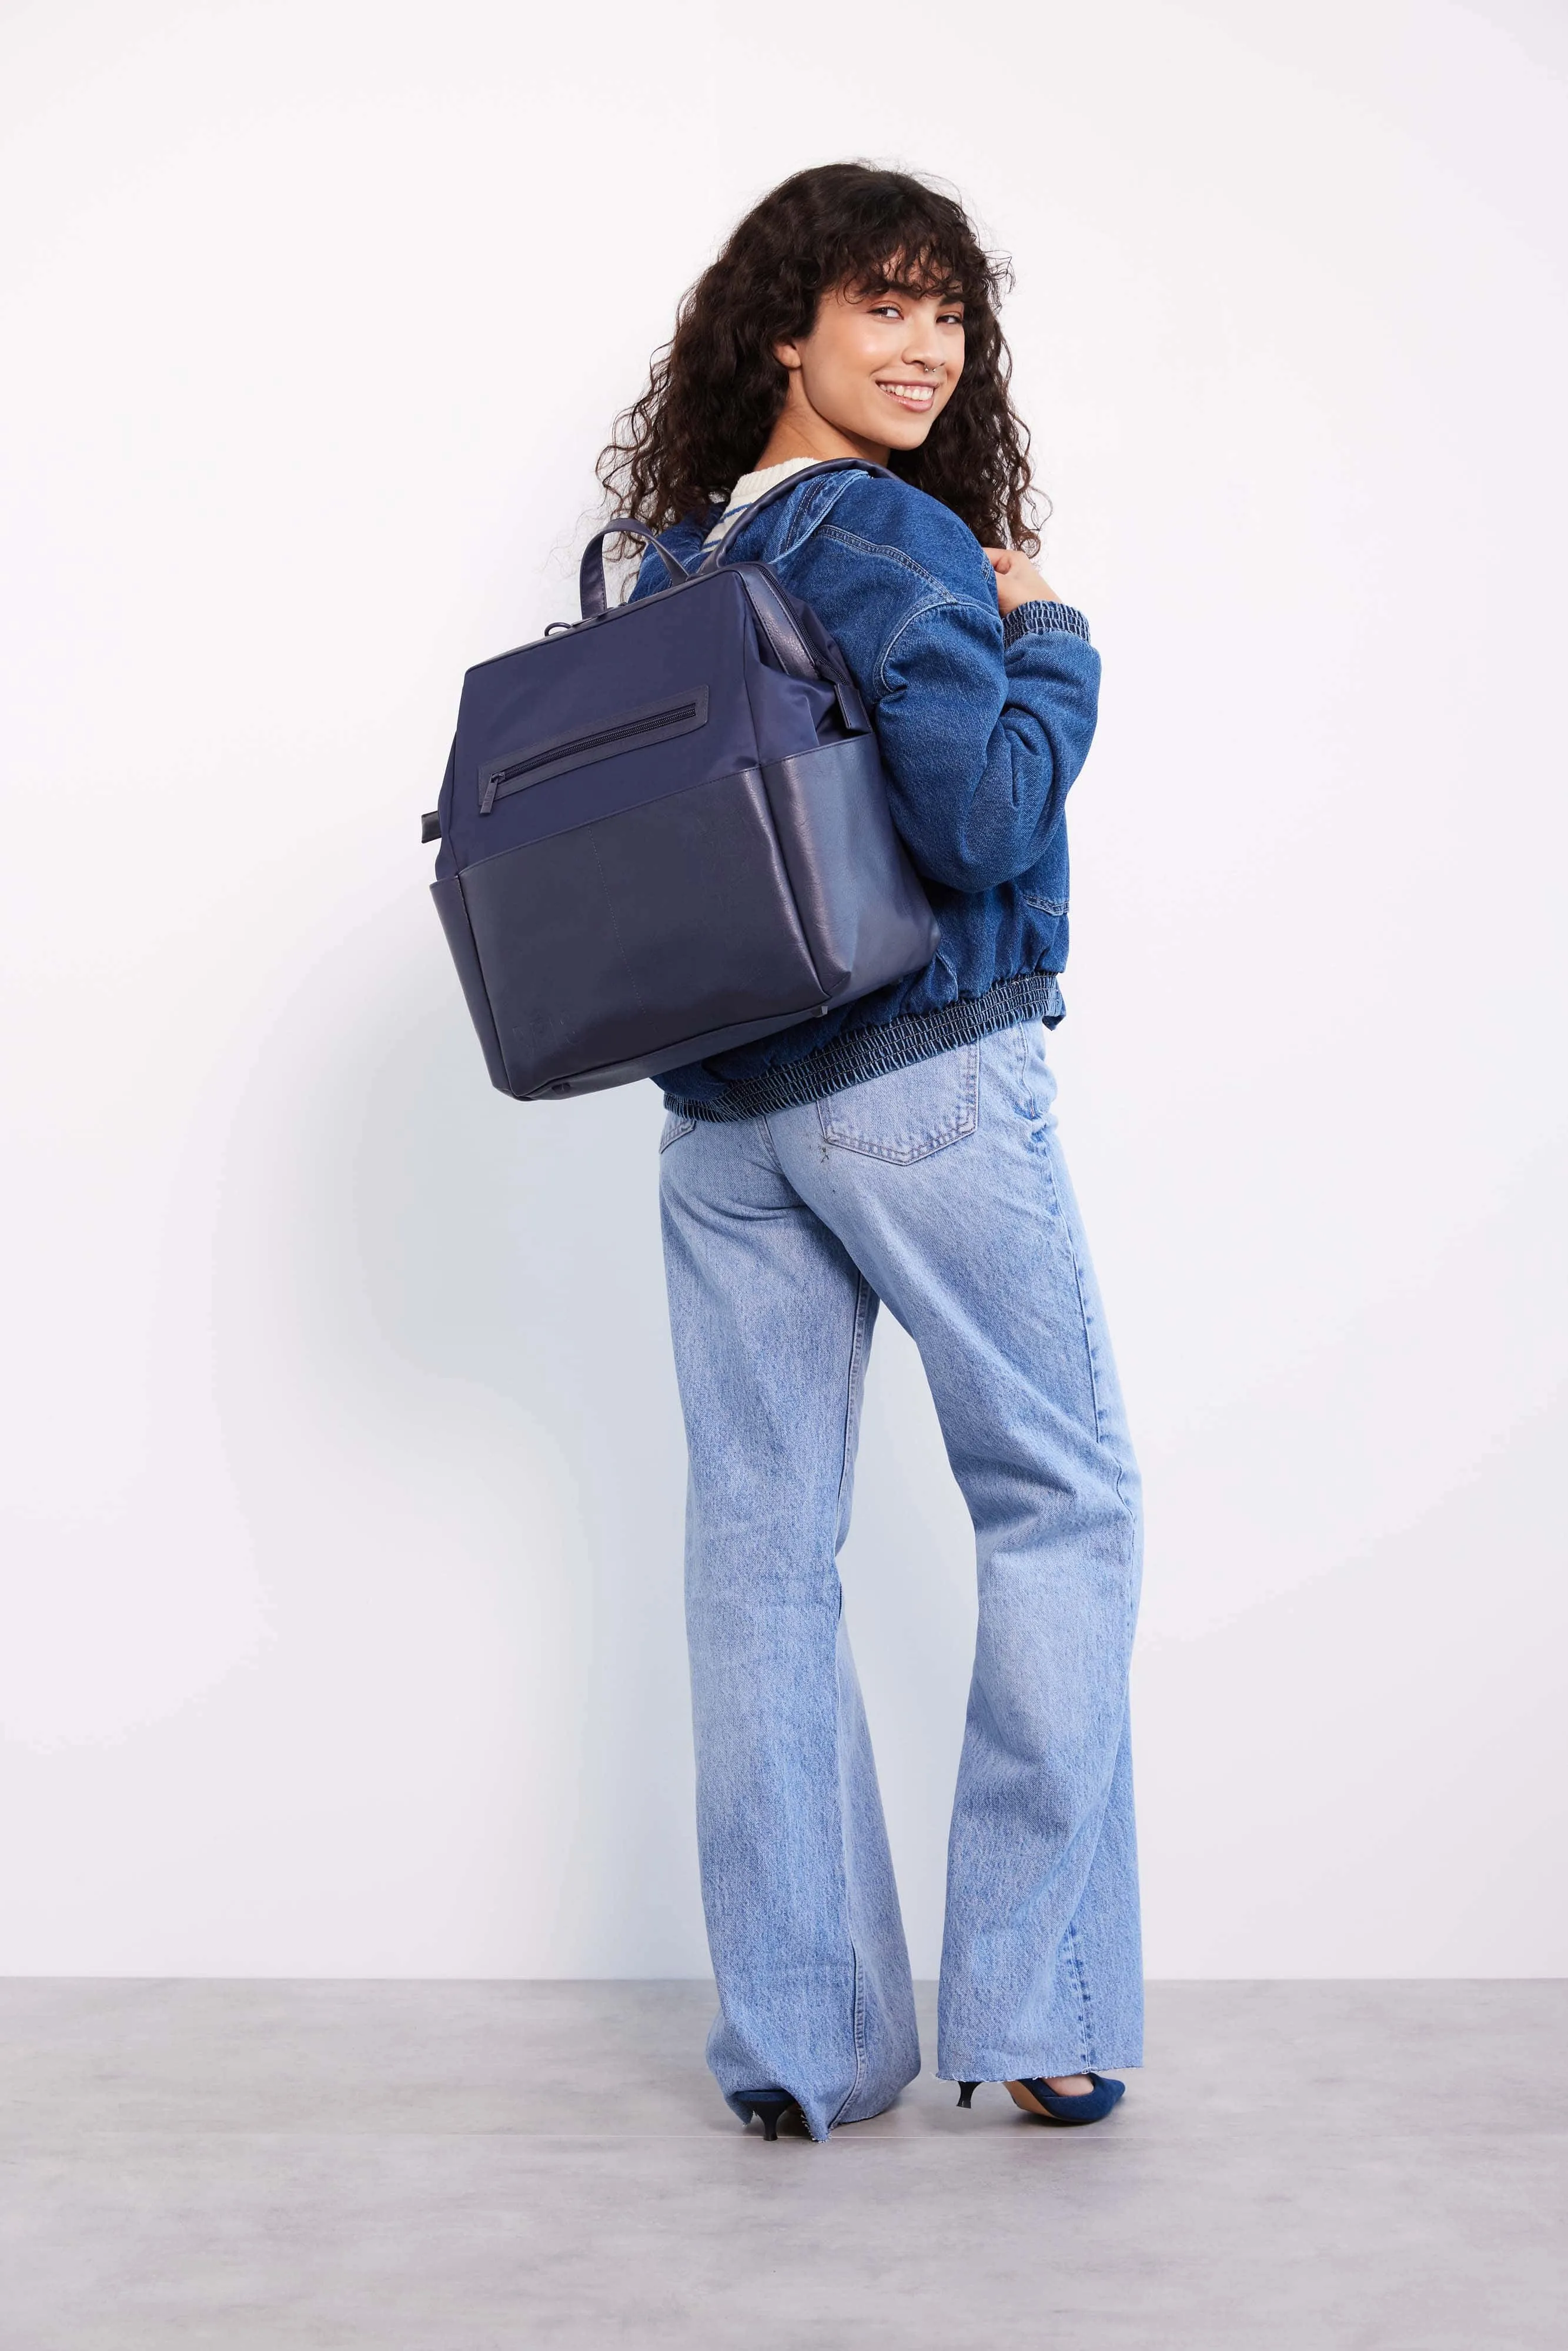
(909, 1114)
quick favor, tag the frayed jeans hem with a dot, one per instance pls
(1052, 2069)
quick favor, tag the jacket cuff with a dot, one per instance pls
(1040, 619)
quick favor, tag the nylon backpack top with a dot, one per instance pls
(664, 831)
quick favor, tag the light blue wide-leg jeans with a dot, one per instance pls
(939, 1189)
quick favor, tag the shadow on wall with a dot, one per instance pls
(447, 1390)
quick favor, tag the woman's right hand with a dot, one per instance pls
(1018, 582)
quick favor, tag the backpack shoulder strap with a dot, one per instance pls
(716, 553)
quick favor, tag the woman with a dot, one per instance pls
(901, 1149)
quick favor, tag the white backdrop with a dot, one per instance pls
(342, 1620)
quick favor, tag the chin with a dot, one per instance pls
(914, 431)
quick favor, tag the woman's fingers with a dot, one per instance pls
(1018, 580)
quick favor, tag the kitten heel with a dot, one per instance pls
(967, 2091)
(769, 2108)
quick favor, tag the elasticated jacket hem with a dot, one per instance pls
(857, 1054)
(1038, 619)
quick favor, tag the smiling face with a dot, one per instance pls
(875, 373)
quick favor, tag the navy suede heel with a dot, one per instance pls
(1088, 2107)
(1049, 2106)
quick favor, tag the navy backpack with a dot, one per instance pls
(664, 831)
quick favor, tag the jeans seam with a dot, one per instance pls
(772, 1146)
(857, 2002)
(1082, 1301)
(858, 2009)
(1127, 1512)
(852, 1410)
(1083, 2000)
(1027, 1102)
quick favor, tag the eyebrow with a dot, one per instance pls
(949, 299)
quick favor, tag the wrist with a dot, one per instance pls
(1041, 595)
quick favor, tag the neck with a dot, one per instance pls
(801, 433)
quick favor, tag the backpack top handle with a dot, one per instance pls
(591, 592)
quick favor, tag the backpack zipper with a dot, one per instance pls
(515, 775)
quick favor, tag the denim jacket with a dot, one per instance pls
(983, 725)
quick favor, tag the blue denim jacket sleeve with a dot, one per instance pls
(983, 725)
(983, 728)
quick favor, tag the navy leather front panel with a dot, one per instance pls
(638, 658)
(615, 939)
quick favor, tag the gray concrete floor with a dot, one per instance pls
(472, 2167)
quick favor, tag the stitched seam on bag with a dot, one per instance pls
(787, 893)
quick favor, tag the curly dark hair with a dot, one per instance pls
(716, 389)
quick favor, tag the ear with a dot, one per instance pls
(787, 355)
